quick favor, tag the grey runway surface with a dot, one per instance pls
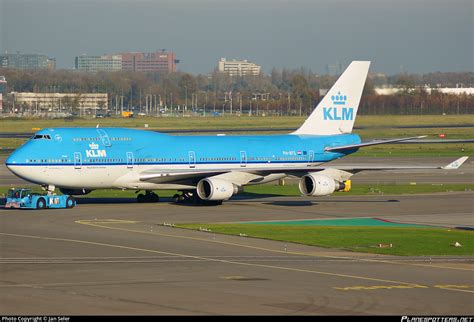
(114, 257)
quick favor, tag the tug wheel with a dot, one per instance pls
(41, 203)
(70, 202)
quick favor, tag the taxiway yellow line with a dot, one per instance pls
(457, 288)
(209, 259)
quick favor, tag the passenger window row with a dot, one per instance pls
(98, 139)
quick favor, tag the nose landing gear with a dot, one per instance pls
(49, 188)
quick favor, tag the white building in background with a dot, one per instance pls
(454, 90)
(445, 90)
(238, 67)
(104, 63)
(59, 102)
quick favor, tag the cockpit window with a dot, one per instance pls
(41, 137)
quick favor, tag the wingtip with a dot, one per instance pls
(456, 164)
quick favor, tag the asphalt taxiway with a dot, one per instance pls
(115, 257)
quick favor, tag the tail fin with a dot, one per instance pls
(336, 113)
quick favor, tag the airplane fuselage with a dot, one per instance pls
(98, 158)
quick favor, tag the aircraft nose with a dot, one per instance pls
(10, 160)
(13, 159)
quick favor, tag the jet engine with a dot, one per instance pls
(314, 184)
(74, 192)
(215, 189)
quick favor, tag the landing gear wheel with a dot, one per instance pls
(41, 203)
(148, 197)
(177, 198)
(191, 196)
(152, 197)
(141, 198)
(185, 197)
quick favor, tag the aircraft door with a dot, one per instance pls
(77, 160)
(192, 159)
(130, 160)
(243, 158)
(104, 137)
(310, 156)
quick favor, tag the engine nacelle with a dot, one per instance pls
(74, 192)
(314, 184)
(215, 189)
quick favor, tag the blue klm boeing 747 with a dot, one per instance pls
(205, 168)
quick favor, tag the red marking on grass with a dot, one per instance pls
(384, 220)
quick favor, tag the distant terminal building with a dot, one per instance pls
(158, 62)
(3, 85)
(429, 90)
(27, 61)
(3, 90)
(104, 63)
(335, 69)
(60, 102)
(238, 67)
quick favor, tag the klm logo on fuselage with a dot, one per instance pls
(338, 112)
(94, 152)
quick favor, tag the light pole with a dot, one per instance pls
(171, 101)
(185, 98)
(250, 111)
(240, 99)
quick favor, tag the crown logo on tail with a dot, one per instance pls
(339, 99)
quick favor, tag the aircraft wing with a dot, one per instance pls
(164, 175)
(244, 175)
(374, 142)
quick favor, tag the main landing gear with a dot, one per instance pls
(149, 196)
(191, 197)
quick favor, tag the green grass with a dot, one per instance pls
(102, 193)
(229, 122)
(376, 128)
(339, 222)
(292, 190)
(160, 123)
(431, 133)
(109, 193)
(362, 189)
(391, 120)
(405, 241)
(11, 143)
(454, 150)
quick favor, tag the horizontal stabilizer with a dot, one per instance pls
(375, 142)
(456, 164)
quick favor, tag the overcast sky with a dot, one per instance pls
(415, 36)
